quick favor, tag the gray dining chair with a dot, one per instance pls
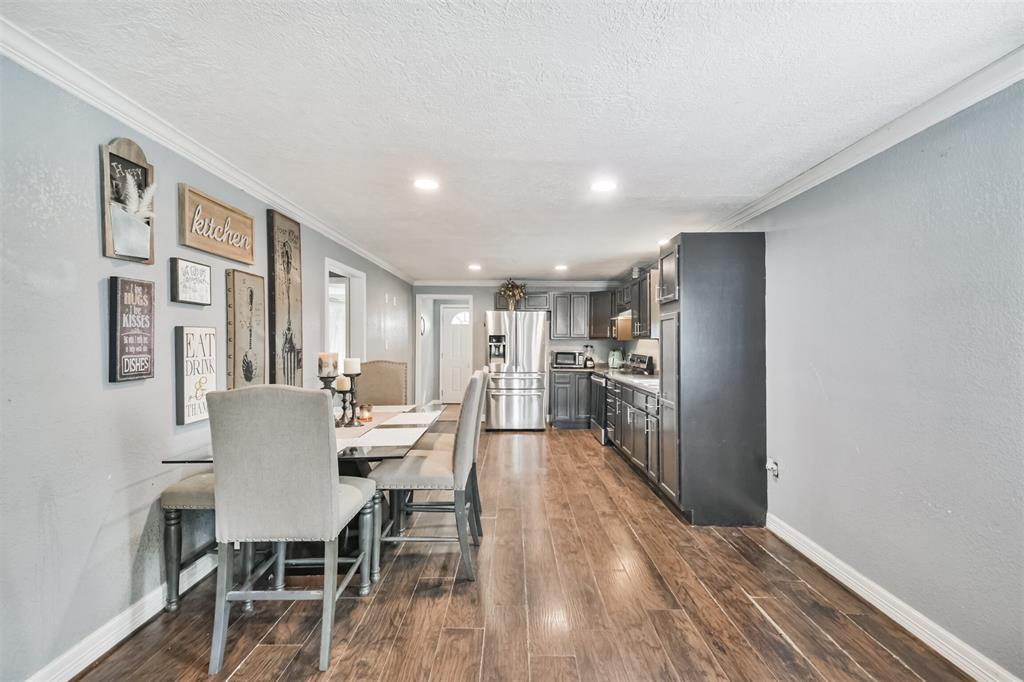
(438, 470)
(194, 492)
(275, 460)
(446, 442)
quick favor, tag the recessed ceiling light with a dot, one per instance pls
(474, 266)
(426, 184)
(561, 268)
(603, 185)
(662, 242)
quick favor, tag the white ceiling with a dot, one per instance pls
(696, 108)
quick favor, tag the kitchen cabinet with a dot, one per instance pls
(602, 310)
(536, 301)
(668, 447)
(570, 399)
(569, 315)
(501, 303)
(668, 269)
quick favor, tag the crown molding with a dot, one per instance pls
(549, 284)
(997, 76)
(28, 51)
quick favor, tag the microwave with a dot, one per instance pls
(567, 358)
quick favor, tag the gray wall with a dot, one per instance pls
(895, 332)
(80, 474)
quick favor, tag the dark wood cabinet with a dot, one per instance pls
(602, 310)
(570, 315)
(668, 269)
(570, 399)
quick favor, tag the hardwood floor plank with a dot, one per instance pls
(547, 612)
(871, 655)
(266, 662)
(586, 608)
(686, 648)
(827, 658)
(919, 658)
(598, 656)
(412, 656)
(509, 580)
(603, 555)
(245, 631)
(765, 563)
(459, 655)
(553, 669)
(471, 599)
(803, 568)
(505, 655)
(348, 614)
(295, 625)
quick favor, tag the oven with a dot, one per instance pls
(598, 413)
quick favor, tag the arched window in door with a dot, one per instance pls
(461, 318)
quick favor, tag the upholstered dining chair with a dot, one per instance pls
(446, 443)
(438, 470)
(275, 460)
(194, 492)
(383, 382)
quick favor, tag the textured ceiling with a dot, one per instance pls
(696, 108)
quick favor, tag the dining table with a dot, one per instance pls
(392, 434)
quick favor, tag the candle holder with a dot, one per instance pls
(349, 397)
(328, 384)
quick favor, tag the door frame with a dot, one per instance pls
(440, 338)
(424, 323)
(356, 307)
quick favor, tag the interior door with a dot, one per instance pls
(456, 352)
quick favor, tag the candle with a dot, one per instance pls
(327, 364)
(343, 383)
(351, 365)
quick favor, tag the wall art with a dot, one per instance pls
(195, 371)
(127, 198)
(285, 251)
(213, 226)
(131, 329)
(191, 282)
(247, 342)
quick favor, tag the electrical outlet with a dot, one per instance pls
(773, 467)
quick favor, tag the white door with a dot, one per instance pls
(456, 363)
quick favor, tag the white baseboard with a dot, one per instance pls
(80, 656)
(948, 645)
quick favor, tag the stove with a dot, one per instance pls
(639, 364)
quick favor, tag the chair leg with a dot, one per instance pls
(477, 507)
(410, 500)
(172, 556)
(280, 555)
(366, 532)
(461, 524)
(397, 511)
(222, 608)
(330, 586)
(375, 550)
(471, 519)
(248, 566)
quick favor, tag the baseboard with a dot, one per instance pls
(948, 645)
(80, 656)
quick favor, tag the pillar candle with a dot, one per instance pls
(351, 365)
(343, 383)
(327, 364)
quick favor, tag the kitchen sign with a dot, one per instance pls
(195, 366)
(131, 329)
(191, 282)
(211, 225)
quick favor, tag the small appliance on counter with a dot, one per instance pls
(614, 359)
(567, 359)
(639, 364)
(588, 356)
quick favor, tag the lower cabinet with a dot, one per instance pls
(570, 399)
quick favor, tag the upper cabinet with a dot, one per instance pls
(532, 301)
(570, 315)
(602, 310)
(668, 268)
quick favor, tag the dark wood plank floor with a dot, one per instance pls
(583, 575)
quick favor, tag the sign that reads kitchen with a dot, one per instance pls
(211, 225)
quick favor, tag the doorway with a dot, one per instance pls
(427, 374)
(455, 352)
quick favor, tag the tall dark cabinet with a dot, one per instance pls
(713, 418)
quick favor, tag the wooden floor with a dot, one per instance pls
(583, 575)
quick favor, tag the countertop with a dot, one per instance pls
(650, 383)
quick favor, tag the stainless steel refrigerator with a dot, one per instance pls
(517, 357)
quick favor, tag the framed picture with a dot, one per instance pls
(127, 198)
(213, 226)
(195, 371)
(191, 282)
(131, 329)
(285, 251)
(247, 325)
